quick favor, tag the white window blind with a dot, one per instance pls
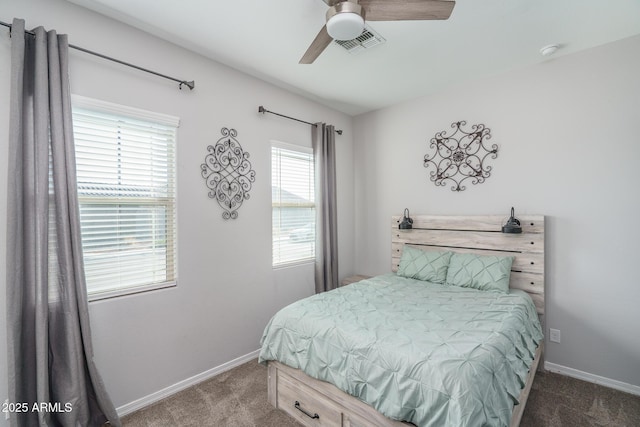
(293, 204)
(126, 173)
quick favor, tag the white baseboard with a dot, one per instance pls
(596, 379)
(172, 389)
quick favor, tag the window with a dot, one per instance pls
(125, 160)
(293, 204)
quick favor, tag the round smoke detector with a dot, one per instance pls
(549, 50)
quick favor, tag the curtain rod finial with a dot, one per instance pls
(190, 84)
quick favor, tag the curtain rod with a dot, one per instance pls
(263, 110)
(190, 84)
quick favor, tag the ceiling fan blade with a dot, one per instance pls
(407, 10)
(319, 44)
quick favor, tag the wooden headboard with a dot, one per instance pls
(482, 235)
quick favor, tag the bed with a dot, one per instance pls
(406, 348)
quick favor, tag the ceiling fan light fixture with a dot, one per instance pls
(345, 21)
(345, 26)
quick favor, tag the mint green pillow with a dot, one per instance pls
(430, 266)
(483, 272)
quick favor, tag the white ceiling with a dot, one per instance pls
(266, 38)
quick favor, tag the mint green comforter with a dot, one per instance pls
(430, 354)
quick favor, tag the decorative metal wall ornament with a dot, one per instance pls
(461, 156)
(228, 174)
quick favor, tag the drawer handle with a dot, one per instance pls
(313, 417)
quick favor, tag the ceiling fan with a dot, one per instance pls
(345, 18)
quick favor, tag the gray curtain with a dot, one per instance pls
(324, 152)
(49, 340)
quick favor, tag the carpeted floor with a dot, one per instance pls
(238, 398)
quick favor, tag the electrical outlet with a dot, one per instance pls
(554, 335)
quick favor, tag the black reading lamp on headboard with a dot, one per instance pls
(407, 222)
(512, 225)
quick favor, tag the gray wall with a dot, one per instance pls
(227, 289)
(568, 136)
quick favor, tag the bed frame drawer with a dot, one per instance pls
(333, 406)
(306, 405)
(352, 420)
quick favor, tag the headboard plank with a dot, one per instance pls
(493, 240)
(529, 223)
(482, 235)
(527, 262)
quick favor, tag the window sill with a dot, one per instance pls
(298, 263)
(98, 296)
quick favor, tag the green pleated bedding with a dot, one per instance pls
(431, 354)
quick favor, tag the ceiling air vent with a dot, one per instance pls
(366, 40)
